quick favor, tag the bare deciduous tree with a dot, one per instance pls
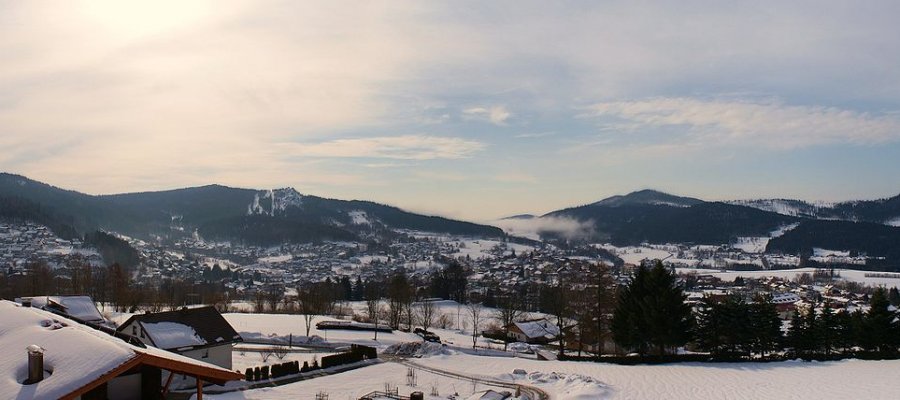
(314, 299)
(280, 351)
(475, 311)
(509, 311)
(444, 321)
(425, 313)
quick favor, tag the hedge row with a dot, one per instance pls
(357, 353)
(275, 371)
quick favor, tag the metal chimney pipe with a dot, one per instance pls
(35, 364)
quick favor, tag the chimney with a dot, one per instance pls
(35, 364)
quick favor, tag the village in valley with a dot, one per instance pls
(466, 200)
(246, 317)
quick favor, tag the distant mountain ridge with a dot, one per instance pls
(880, 211)
(225, 213)
(284, 215)
(865, 227)
(648, 197)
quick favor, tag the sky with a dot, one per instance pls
(472, 110)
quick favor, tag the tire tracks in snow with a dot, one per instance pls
(532, 392)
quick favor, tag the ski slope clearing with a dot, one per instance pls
(636, 254)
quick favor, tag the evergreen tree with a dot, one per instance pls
(765, 326)
(346, 288)
(803, 334)
(651, 313)
(828, 329)
(880, 325)
(724, 326)
(860, 331)
(894, 296)
(359, 289)
(844, 339)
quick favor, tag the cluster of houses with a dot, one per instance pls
(787, 295)
(25, 243)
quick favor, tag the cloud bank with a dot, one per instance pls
(533, 228)
(768, 124)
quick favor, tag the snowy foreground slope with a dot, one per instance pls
(851, 379)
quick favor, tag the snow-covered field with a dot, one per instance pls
(758, 244)
(356, 383)
(285, 324)
(845, 274)
(850, 379)
(276, 259)
(635, 254)
(566, 380)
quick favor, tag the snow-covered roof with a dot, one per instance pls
(490, 395)
(81, 307)
(538, 329)
(75, 355)
(785, 298)
(172, 335)
(192, 327)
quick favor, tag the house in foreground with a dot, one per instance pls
(539, 331)
(199, 333)
(48, 356)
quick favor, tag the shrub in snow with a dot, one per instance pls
(305, 367)
(248, 374)
(519, 347)
(416, 349)
(256, 374)
(264, 371)
(315, 339)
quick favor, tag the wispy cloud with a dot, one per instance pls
(515, 177)
(769, 124)
(450, 176)
(497, 115)
(406, 147)
(535, 135)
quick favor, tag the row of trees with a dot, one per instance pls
(652, 318)
(112, 286)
